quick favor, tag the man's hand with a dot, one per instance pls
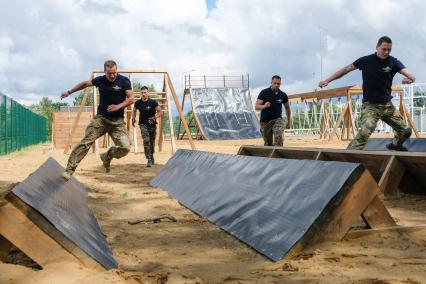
(112, 108)
(323, 84)
(65, 94)
(266, 105)
(407, 81)
(152, 120)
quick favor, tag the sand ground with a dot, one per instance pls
(192, 250)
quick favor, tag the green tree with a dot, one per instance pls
(79, 98)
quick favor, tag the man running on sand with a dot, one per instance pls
(115, 94)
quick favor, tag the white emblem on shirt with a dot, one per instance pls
(116, 88)
(386, 69)
(280, 101)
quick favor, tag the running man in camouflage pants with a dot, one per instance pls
(270, 102)
(378, 70)
(148, 112)
(115, 95)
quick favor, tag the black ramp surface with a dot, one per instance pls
(412, 144)
(267, 203)
(64, 204)
(225, 113)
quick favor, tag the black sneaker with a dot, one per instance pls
(395, 147)
(152, 161)
(149, 164)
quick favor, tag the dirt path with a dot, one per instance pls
(192, 250)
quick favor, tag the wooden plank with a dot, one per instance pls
(355, 234)
(337, 219)
(51, 231)
(376, 215)
(337, 125)
(181, 114)
(30, 239)
(74, 126)
(391, 177)
(355, 202)
(410, 121)
(5, 247)
(169, 111)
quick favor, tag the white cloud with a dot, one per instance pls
(47, 46)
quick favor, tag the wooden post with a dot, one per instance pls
(169, 112)
(163, 103)
(339, 120)
(77, 118)
(181, 114)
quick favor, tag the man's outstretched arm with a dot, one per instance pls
(76, 88)
(340, 73)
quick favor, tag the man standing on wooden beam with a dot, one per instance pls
(270, 102)
(115, 94)
(378, 70)
(148, 112)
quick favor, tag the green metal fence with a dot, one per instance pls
(19, 127)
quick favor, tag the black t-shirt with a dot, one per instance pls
(111, 93)
(377, 76)
(146, 110)
(276, 101)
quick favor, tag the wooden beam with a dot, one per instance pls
(30, 239)
(376, 215)
(181, 114)
(74, 125)
(169, 112)
(130, 71)
(355, 234)
(410, 121)
(161, 127)
(392, 175)
(339, 120)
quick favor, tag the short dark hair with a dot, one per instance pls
(109, 63)
(384, 39)
(144, 88)
(275, 77)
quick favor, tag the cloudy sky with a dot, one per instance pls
(47, 46)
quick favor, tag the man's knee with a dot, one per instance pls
(120, 151)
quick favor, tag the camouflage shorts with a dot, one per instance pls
(370, 115)
(148, 137)
(273, 132)
(117, 130)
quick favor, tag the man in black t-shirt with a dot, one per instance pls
(270, 103)
(115, 94)
(378, 70)
(148, 112)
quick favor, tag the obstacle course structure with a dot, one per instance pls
(269, 204)
(334, 113)
(48, 219)
(222, 108)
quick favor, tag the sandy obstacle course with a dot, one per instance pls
(192, 250)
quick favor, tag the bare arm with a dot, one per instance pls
(135, 110)
(340, 73)
(76, 88)
(409, 77)
(260, 105)
(130, 99)
(288, 113)
(159, 111)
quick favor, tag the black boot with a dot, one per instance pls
(396, 147)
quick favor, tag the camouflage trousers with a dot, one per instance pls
(117, 130)
(273, 132)
(370, 115)
(148, 137)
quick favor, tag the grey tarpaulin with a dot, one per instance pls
(267, 203)
(412, 144)
(64, 204)
(225, 113)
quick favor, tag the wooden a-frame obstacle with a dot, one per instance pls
(328, 131)
(393, 172)
(163, 99)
